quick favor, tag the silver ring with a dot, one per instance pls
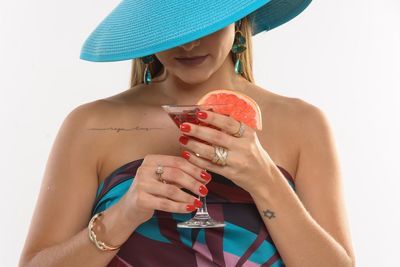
(159, 171)
(220, 155)
(240, 132)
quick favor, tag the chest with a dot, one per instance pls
(155, 133)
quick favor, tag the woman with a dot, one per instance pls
(285, 205)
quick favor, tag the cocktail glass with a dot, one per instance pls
(187, 113)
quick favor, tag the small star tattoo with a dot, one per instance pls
(269, 214)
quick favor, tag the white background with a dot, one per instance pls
(342, 56)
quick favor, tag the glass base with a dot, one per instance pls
(201, 220)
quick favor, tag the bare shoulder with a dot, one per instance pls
(75, 131)
(292, 112)
(87, 119)
(268, 101)
(84, 114)
(278, 135)
(106, 110)
(310, 121)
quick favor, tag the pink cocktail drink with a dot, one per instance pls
(187, 113)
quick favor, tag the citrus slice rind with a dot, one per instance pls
(242, 107)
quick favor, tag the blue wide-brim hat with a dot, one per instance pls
(137, 28)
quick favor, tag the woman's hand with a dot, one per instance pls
(248, 164)
(147, 193)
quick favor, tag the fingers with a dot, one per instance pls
(171, 192)
(204, 150)
(175, 177)
(205, 163)
(181, 165)
(152, 202)
(208, 134)
(222, 121)
(179, 178)
(177, 172)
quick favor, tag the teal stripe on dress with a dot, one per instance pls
(149, 229)
(99, 189)
(185, 234)
(278, 263)
(291, 184)
(237, 239)
(112, 196)
(263, 253)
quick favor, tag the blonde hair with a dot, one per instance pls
(138, 67)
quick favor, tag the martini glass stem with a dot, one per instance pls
(187, 113)
(203, 209)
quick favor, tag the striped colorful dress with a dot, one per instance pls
(244, 241)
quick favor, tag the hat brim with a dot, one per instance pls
(139, 28)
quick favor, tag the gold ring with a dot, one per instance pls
(220, 155)
(159, 171)
(240, 132)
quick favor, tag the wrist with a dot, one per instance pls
(267, 183)
(114, 228)
(93, 237)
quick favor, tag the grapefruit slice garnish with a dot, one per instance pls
(243, 108)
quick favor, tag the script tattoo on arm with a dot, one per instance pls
(117, 129)
(269, 214)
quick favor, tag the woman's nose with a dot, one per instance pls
(189, 46)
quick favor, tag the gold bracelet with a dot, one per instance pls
(99, 244)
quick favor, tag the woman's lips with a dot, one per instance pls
(191, 61)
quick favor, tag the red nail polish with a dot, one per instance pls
(197, 203)
(190, 207)
(185, 127)
(185, 154)
(201, 115)
(183, 139)
(205, 175)
(203, 190)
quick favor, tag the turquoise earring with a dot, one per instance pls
(147, 74)
(239, 46)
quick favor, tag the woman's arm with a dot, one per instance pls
(58, 234)
(309, 228)
(78, 250)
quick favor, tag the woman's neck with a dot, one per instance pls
(179, 92)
